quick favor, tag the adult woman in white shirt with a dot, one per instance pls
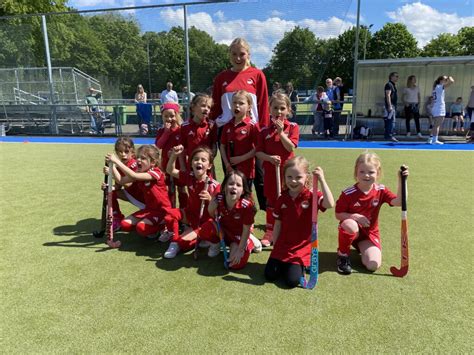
(411, 99)
(439, 105)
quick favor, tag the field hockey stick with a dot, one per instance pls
(201, 213)
(110, 213)
(100, 233)
(404, 231)
(172, 192)
(231, 153)
(278, 181)
(314, 268)
(220, 233)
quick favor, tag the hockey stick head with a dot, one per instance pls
(399, 272)
(114, 244)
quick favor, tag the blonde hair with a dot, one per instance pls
(246, 95)
(369, 158)
(179, 119)
(240, 42)
(297, 161)
(281, 96)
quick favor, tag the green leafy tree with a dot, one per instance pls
(466, 40)
(295, 58)
(393, 41)
(444, 45)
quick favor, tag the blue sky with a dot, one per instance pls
(263, 23)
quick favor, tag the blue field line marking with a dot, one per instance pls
(302, 144)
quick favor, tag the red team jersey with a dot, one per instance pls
(155, 192)
(134, 190)
(294, 242)
(166, 141)
(244, 137)
(194, 135)
(269, 143)
(228, 82)
(353, 200)
(232, 221)
(194, 202)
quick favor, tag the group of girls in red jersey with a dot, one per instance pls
(248, 137)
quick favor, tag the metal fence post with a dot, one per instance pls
(54, 122)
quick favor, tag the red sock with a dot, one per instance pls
(126, 226)
(146, 229)
(345, 241)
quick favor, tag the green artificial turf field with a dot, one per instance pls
(64, 292)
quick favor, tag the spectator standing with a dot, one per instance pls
(390, 109)
(337, 104)
(293, 95)
(277, 88)
(439, 106)
(319, 99)
(242, 76)
(186, 101)
(169, 95)
(330, 118)
(457, 115)
(140, 95)
(94, 111)
(411, 99)
(470, 104)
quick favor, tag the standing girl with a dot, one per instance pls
(125, 151)
(292, 241)
(276, 144)
(242, 76)
(151, 181)
(234, 209)
(196, 181)
(140, 96)
(168, 137)
(439, 106)
(457, 114)
(358, 208)
(199, 130)
(411, 99)
(239, 138)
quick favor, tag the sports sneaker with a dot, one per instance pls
(214, 250)
(165, 236)
(430, 140)
(257, 245)
(393, 139)
(437, 142)
(419, 135)
(204, 244)
(172, 251)
(344, 265)
(408, 134)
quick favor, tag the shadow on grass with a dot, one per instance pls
(80, 235)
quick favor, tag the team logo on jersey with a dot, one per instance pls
(283, 206)
(268, 136)
(244, 131)
(177, 138)
(237, 216)
(305, 204)
(357, 204)
(228, 130)
(147, 183)
(375, 202)
(207, 133)
(191, 133)
(250, 81)
(224, 83)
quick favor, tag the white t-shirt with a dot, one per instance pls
(439, 106)
(169, 96)
(410, 95)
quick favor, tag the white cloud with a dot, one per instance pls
(276, 13)
(262, 35)
(425, 22)
(219, 15)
